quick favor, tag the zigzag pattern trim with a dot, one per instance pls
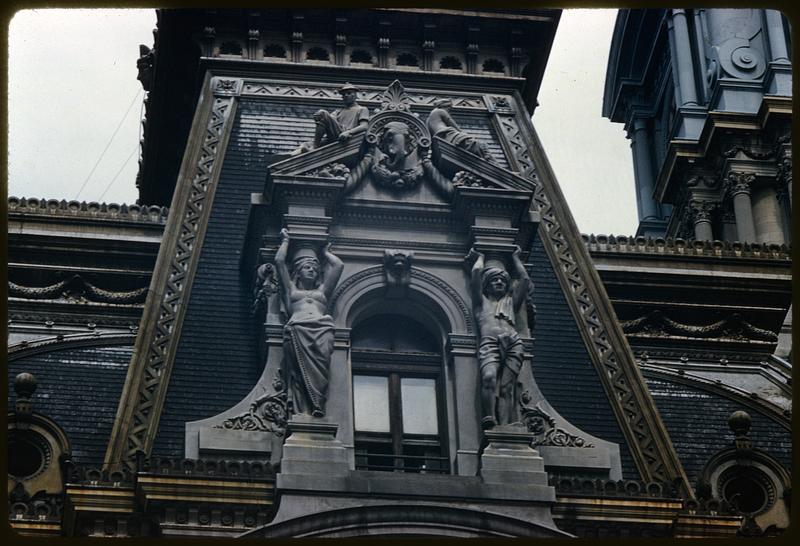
(616, 378)
(153, 377)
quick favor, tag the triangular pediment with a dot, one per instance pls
(320, 161)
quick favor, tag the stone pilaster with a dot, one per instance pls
(683, 52)
(643, 165)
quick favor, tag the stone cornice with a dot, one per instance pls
(67, 341)
(681, 248)
(105, 212)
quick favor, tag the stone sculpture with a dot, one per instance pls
(397, 163)
(496, 300)
(339, 124)
(441, 124)
(397, 267)
(308, 334)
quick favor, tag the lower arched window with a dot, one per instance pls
(398, 397)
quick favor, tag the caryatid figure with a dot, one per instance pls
(308, 334)
(496, 300)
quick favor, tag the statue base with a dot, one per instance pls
(508, 457)
(312, 448)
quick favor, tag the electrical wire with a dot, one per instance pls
(100, 199)
(110, 140)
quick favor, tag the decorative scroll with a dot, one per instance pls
(540, 423)
(267, 413)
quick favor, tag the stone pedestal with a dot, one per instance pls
(508, 458)
(312, 448)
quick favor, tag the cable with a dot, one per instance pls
(138, 92)
(100, 199)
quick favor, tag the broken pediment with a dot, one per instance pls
(396, 156)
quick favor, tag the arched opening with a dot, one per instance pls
(398, 396)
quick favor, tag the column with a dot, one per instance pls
(643, 164)
(701, 58)
(739, 190)
(776, 34)
(683, 52)
(701, 213)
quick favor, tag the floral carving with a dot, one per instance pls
(469, 180)
(540, 423)
(267, 413)
(334, 170)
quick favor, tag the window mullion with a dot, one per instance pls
(396, 419)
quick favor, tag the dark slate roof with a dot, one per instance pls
(79, 388)
(216, 363)
(697, 422)
(563, 368)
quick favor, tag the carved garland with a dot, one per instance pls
(140, 407)
(654, 461)
(77, 287)
(732, 327)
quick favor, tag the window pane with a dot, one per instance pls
(371, 402)
(419, 406)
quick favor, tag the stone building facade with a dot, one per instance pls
(368, 311)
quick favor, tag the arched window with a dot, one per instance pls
(230, 48)
(317, 54)
(398, 397)
(407, 59)
(450, 63)
(275, 51)
(360, 56)
(493, 65)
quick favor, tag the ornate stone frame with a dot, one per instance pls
(148, 377)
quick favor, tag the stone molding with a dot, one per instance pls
(43, 345)
(83, 210)
(148, 375)
(371, 96)
(748, 399)
(421, 277)
(683, 248)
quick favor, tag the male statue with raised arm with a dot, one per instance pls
(496, 300)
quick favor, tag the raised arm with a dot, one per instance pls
(522, 281)
(333, 270)
(283, 271)
(475, 277)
